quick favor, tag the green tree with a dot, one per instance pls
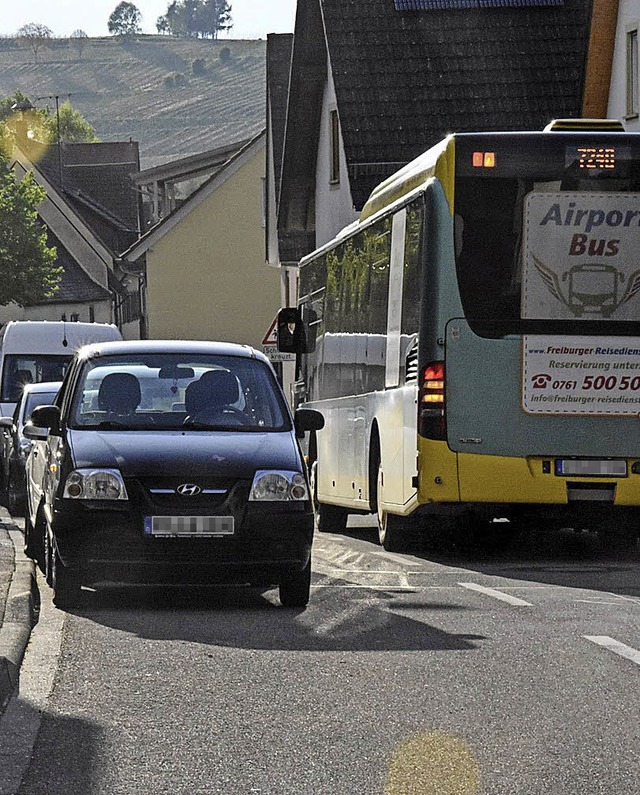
(125, 20)
(20, 120)
(28, 271)
(74, 128)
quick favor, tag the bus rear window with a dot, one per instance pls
(546, 232)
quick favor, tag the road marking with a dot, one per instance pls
(621, 649)
(503, 597)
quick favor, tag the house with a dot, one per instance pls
(205, 264)
(624, 93)
(374, 83)
(166, 186)
(91, 213)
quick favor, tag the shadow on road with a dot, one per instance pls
(559, 557)
(349, 619)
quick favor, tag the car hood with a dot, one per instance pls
(225, 454)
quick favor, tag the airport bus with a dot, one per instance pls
(473, 340)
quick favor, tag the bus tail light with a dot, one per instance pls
(431, 419)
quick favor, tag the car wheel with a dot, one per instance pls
(392, 533)
(65, 583)
(33, 542)
(295, 590)
(330, 518)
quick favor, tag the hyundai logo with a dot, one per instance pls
(188, 489)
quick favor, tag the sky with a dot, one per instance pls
(252, 19)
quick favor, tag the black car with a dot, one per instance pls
(15, 446)
(173, 462)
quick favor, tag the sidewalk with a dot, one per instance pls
(18, 604)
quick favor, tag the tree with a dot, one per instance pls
(28, 273)
(125, 20)
(79, 41)
(35, 36)
(74, 128)
(21, 120)
(197, 18)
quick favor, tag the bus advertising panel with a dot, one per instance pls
(580, 260)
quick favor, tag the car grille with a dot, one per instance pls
(159, 495)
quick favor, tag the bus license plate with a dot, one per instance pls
(189, 526)
(591, 467)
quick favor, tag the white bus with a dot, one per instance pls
(473, 341)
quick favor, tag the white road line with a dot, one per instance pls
(503, 597)
(616, 647)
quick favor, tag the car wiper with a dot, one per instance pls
(110, 425)
(207, 426)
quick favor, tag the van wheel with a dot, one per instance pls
(295, 590)
(65, 583)
(33, 542)
(392, 532)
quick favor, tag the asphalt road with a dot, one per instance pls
(447, 671)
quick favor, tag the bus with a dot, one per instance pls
(473, 340)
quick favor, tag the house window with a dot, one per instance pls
(334, 144)
(632, 73)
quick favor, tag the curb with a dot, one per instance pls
(19, 617)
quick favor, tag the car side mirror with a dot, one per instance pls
(307, 420)
(35, 432)
(46, 417)
(6, 422)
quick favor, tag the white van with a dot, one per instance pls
(32, 351)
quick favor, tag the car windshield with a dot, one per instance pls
(178, 391)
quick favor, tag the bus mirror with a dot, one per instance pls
(290, 331)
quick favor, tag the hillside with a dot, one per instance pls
(176, 97)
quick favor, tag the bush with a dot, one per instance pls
(169, 82)
(225, 55)
(199, 66)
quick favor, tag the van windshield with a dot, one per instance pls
(178, 391)
(27, 368)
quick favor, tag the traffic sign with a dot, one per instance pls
(270, 345)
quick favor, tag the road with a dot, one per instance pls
(448, 672)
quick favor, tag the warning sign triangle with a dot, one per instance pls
(271, 337)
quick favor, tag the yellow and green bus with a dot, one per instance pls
(473, 340)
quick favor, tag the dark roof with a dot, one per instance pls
(96, 181)
(75, 285)
(405, 79)
(279, 47)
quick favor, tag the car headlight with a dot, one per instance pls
(281, 485)
(95, 484)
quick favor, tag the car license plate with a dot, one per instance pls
(200, 526)
(591, 467)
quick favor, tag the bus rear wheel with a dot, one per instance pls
(391, 528)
